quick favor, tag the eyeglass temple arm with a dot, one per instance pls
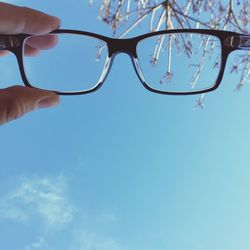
(238, 42)
(8, 42)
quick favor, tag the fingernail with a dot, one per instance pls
(48, 102)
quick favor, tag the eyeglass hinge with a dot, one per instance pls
(9, 42)
(238, 42)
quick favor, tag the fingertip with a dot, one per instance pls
(42, 42)
(57, 21)
(36, 22)
(4, 52)
(45, 98)
(48, 101)
(30, 51)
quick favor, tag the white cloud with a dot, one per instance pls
(38, 198)
(40, 244)
(45, 199)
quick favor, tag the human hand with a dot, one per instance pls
(15, 101)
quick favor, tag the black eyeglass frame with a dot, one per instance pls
(230, 41)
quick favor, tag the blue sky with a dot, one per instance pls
(123, 168)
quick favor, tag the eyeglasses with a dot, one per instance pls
(178, 62)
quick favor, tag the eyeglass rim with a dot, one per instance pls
(113, 42)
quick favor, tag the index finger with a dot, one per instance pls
(42, 41)
(16, 20)
(34, 44)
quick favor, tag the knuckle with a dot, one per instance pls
(14, 109)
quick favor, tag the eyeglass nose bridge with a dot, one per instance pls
(127, 46)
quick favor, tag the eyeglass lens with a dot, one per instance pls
(73, 63)
(180, 62)
(176, 62)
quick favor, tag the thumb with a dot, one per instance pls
(16, 101)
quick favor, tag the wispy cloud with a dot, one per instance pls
(40, 244)
(46, 200)
(42, 198)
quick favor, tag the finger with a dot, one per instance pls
(16, 101)
(36, 43)
(4, 52)
(30, 51)
(16, 20)
(42, 42)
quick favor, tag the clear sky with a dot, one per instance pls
(124, 168)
